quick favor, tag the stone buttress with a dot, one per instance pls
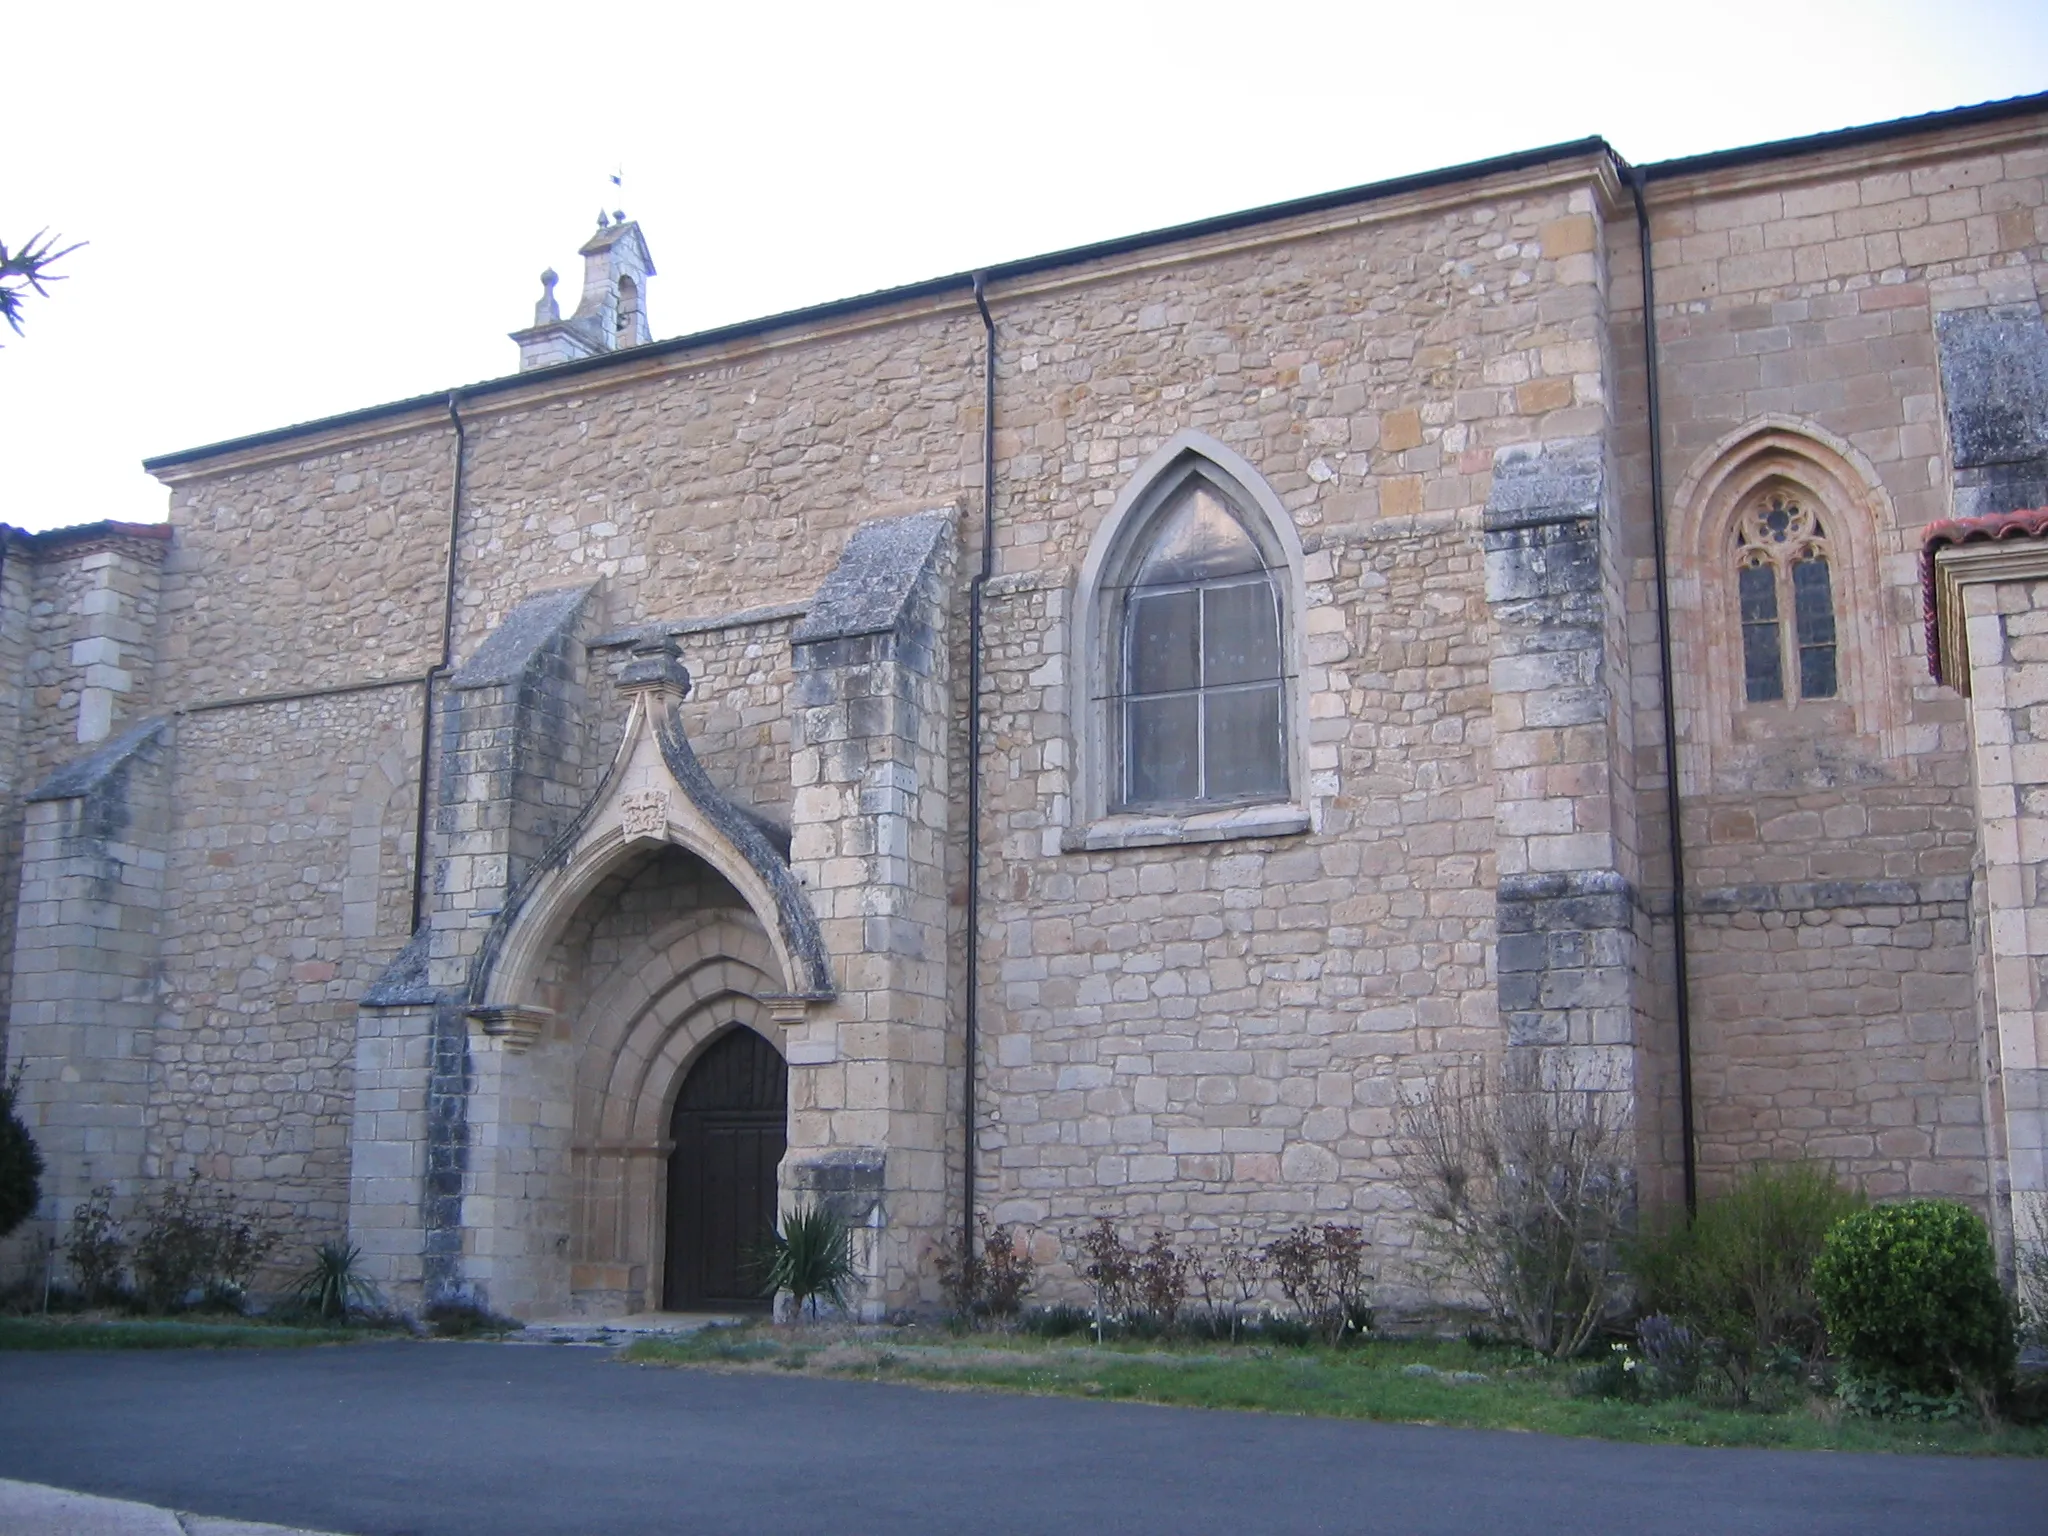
(1566, 955)
(870, 1079)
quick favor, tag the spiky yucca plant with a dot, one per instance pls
(811, 1257)
(332, 1283)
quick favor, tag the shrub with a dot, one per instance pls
(192, 1240)
(1911, 1298)
(21, 1164)
(97, 1252)
(991, 1282)
(1160, 1282)
(1670, 1356)
(1321, 1271)
(1739, 1275)
(1525, 1194)
(332, 1283)
(811, 1257)
(1111, 1268)
(1231, 1280)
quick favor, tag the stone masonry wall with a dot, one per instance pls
(1808, 292)
(274, 807)
(310, 573)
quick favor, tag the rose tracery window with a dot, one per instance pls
(1786, 600)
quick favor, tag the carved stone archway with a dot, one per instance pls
(564, 1131)
(655, 792)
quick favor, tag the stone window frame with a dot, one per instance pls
(1717, 727)
(1115, 548)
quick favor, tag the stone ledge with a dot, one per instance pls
(1824, 895)
(1201, 827)
(772, 613)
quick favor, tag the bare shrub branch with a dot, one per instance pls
(1524, 1193)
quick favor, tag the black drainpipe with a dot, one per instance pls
(435, 672)
(972, 1031)
(1681, 971)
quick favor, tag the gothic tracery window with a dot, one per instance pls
(1201, 710)
(1786, 600)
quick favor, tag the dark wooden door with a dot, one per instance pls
(729, 1128)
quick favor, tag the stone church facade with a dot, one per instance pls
(1088, 737)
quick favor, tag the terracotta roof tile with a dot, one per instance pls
(2031, 523)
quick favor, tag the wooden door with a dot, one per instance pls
(728, 1128)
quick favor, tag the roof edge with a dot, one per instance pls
(1072, 256)
(39, 540)
(1849, 138)
(883, 298)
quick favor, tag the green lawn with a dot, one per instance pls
(1368, 1381)
(169, 1333)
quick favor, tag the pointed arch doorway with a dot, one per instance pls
(728, 1132)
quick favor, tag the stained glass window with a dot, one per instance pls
(1781, 573)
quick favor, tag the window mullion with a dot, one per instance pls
(1202, 692)
(1788, 629)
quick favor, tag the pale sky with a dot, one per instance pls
(296, 210)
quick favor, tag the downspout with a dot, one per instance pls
(971, 1030)
(436, 672)
(1681, 970)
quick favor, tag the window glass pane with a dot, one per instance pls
(1813, 617)
(1240, 633)
(1160, 643)
(1759, 594)
(1159, 749)
(1763, 670)
(1812, 602)
(1199, 539)
(1242, 734)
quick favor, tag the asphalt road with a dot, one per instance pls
(505, 1440)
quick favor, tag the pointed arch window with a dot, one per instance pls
(1199, 711)
(1785, 592)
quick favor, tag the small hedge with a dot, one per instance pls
(1911, 1298)
(21, 1165)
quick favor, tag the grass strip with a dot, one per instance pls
(1378, 1380)
(55, 1333)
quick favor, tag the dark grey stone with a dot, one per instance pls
(656, 661)
(849, 1181)
(104, 765)
(451, 1079)
(403, 983)
(1993, 488)
(1994, 384)
(869, 591)
(1573, 901)
(1539, 483)
(1554, 562)
(1824, 895)
(517, 645)
(771, 613)
(1565, 947)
